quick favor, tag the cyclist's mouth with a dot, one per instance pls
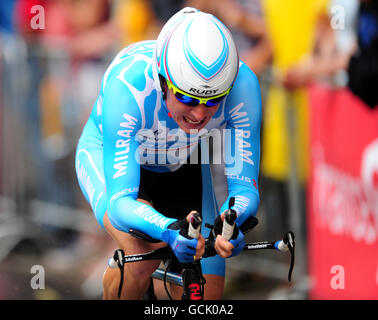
(192, 124)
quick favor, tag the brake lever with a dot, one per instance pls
(288, 239)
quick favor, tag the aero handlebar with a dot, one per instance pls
(284, 245)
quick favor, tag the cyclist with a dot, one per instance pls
(159, 101)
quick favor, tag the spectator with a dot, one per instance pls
(363, 66)
(302, 41)
(66, 61)
(308, 46)
(136, 21)
(332, 49)
(68, 53)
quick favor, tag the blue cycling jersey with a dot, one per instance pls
(130, 126)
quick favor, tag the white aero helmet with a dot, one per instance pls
(196, 53)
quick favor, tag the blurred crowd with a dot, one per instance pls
(53, 54)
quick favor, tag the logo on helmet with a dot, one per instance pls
(203, 92)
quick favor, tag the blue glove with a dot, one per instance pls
(182, 245)
(238, 243)
(237, 239)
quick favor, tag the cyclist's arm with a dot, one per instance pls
(243, 116)
(121, 120)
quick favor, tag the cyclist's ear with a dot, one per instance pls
(164, 87)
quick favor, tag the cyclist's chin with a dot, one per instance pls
(188, 126)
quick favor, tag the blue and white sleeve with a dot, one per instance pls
(243, 122)
(121, 120)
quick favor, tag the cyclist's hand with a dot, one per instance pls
(200, 250)
(184, 247)
(229, 248)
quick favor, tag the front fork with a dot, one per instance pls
(193, 281)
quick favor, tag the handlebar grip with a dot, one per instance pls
(112, 263)
(281, 246)
(229, 224)
(194, 225)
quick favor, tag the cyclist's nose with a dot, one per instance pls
(200, 112)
